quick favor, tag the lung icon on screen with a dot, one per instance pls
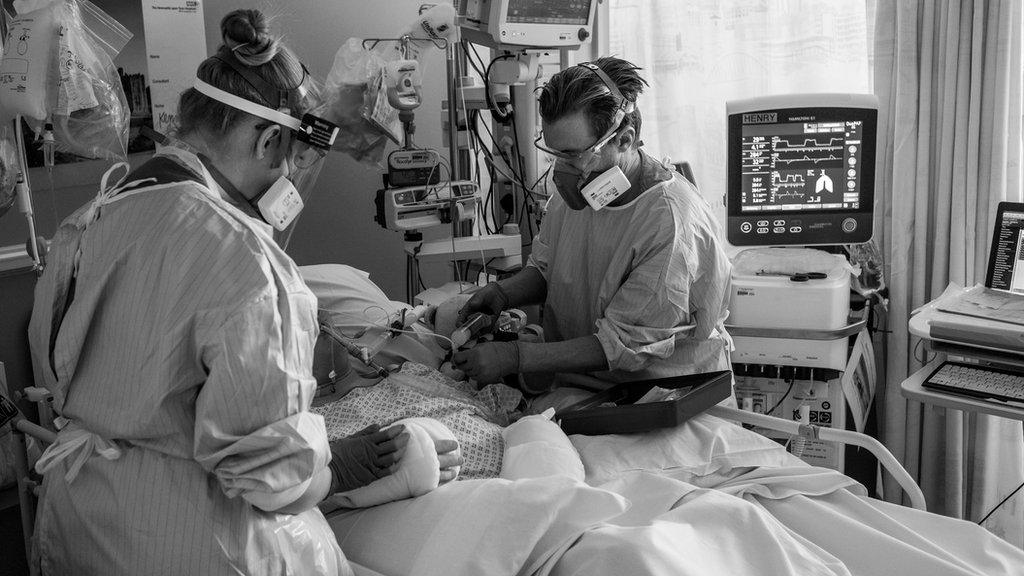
(824, 184)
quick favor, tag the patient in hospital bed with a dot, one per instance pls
(707, 497)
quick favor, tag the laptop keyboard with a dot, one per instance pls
(977, 381)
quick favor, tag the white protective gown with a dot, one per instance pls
(650, 279)
(184, 365)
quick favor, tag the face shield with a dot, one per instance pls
(305, 140)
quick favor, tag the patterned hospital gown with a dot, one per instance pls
(474, 417)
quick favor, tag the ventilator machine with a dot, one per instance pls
(800, 175)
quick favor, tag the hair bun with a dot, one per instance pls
(247, 34)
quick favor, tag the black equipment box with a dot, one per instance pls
(613, 411)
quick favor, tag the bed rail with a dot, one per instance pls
(833, 435)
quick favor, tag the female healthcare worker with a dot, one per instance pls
(177, 338)
(628, 262)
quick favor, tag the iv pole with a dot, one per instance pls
(24, 191)
(451, 53)
(23, 186)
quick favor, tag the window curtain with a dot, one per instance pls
(948, 77)
(699, 54)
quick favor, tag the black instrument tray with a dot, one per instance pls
(693, 394)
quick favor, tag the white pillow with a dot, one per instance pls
(474, 527)
(536, 447)
(417, 473)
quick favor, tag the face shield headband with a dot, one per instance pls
(280, 204)
(314, 133)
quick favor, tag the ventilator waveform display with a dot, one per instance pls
(801, 166)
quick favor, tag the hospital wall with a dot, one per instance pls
(337, 225)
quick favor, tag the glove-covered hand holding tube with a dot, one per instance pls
(490, 300)
(365, 456)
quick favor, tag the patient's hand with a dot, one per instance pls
(365, 456)
(447, 459)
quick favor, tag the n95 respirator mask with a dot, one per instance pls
(280, 204)
(580, 190)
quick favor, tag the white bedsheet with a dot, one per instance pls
(706, 498)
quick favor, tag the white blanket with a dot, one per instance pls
(706, 498)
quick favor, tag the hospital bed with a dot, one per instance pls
(709, 497)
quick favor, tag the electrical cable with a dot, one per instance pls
(527, 193)
(519, 151)
(784, 396)
(508, 161)
(481, 224)
(466, 48)
(917, 348)
(502, 116)
(479, 59)
(488, 199)
(489, 164)
(992, 511)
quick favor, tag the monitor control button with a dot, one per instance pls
(849, 225)
(762, 223)
(796, 230)
(780, 222)
(779, 230)
(583, 34)
(762, 230)
(746, 227)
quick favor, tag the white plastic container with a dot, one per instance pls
(778, 302)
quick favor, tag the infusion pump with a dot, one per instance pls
(419, 207)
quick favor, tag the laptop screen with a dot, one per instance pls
(1006, 262)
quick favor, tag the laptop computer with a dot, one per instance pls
(1002, 296)
(1006, 254)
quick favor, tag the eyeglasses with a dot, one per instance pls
(585, 154)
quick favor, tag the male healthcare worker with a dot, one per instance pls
(628, 262)
(178, 338)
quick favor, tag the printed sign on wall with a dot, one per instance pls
(175, 45)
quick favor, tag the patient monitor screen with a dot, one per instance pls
(548, 12)
(1006, 271)
(803, 165)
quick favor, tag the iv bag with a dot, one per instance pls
(355, 94)
(91, 116)
(27, 70)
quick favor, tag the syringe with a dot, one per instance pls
(474, 327)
